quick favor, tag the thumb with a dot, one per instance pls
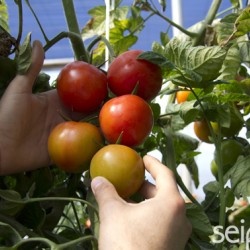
(25, 82)
(104, 192)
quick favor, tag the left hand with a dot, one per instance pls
(27, 120)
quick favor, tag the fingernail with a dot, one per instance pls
(96, 182)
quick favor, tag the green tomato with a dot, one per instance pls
(122, 166)
(230, 151)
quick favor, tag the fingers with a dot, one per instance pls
(36, 61)
(165, 182)
(104, 191)
(148, 190)
(23, 83)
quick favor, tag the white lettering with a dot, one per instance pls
(231, 230)
(217, 232)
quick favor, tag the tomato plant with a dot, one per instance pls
(126, 72)
(122, 166)
(82, 87)
(52, 204)
(71, 145)
(127, 117)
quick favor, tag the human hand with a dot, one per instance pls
(27, 119)
(157, 223)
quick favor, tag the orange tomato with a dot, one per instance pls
(181, 96)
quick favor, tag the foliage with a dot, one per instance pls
(48, 207)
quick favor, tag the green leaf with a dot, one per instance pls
(24, 56)
(8, 235)
(240, 177)
(96, 25)
(4, 17)
(32, 216)
(8, 205)
(225, 27)
(203, 61)
(242, 24)
(231, 64)
(201, 227)
(156, 58)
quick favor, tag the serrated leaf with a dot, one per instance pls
(242, 24)
(156, 58)
(201, 226)
(244, 48)
(225, 27)
(97, 25)
(231, 64)
(4, 18)
(240, 177)
(203, 61)
(24, 56)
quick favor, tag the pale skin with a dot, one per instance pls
(158, 223)
(27, 119)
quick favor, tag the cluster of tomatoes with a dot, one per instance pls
(121, 98)
(231, 148)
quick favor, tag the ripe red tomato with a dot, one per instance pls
(129, 115)
(126, 71)
(82, 87)
(71, 145)
(122, 166)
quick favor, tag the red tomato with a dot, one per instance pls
(126, 71)
(82, 87)
(128, 115)
(71, 145)
(122, 166)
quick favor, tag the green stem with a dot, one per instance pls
(37, 20)
(35, 239)
(183, 30)
(73, 37)
(207, 21)
(76, 216)
(222, 220)
(30, 200)
(72, 243)
(77, 45)
(20, 23)
(171, 163)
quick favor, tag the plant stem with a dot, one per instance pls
(20, 16)
(171, 163)
(221, 185)
(73, 37)
(207, 21)
(37, 20)
(183, 30)
(77, 45)
(77, 241)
